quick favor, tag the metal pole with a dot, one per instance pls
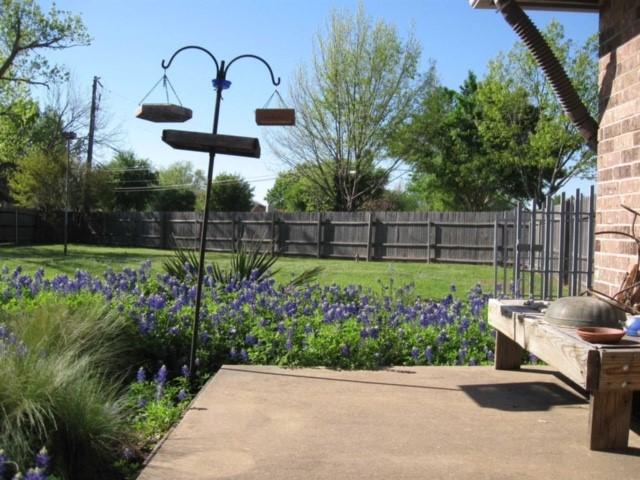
(203, 231)
(580, 259)
(591, 239)
(532, 252)
(66, 198)
(516, 253)
(545, 251)
(576, 239)
(563, 252)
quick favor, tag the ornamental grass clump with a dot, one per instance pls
(58, 387)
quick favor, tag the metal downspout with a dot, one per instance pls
(562, 86)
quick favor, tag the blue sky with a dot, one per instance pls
(130, 38)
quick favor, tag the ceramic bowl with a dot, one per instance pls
(601, 334)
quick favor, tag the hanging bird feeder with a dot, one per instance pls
(275, 116)
(163, 112)
(212, 143)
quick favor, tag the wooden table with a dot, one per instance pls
(609, 373)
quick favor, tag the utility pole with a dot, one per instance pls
(92, 129)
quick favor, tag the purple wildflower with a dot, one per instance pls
(3, 458)
(428, 354)
(184, 370)
(415, 353)
(344, 350)
(182, 395)
(161, 376)
(141, 376)
(43, 459)
(34, 474)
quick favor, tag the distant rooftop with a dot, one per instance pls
(566, 5)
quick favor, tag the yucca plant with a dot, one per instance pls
(182, 263)
(245, 263)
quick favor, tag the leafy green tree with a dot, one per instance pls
(132, 181)
(553, 152)
(17, 120)
(183, 187)
(361, 87)
(293, 193)
(26, 31)
(442, 141)
(38, 164)
(231, 193)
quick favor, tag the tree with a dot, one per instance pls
(132, 181)
(26, 31)
(452, 165)
(231, 193)
(17, 121)
(554, 152)
(293, 193)
(38, 164)
(182, 187)
(361, 87)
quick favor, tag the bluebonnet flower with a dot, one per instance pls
(490, 355)
(161, 376)
(344, 350)
(35, 474)
(182, 395)
(184, 371)
(415, 353)
(141, 376)
(243, 356)
(428, 354)
(3, 458)
(43, 459)
(128, 453)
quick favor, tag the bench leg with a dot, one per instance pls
(508, 353)
(609, 420)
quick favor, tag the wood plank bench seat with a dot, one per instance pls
(609, 373)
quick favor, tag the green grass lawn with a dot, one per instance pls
(431, 280)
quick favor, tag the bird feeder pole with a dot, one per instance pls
(211, 143)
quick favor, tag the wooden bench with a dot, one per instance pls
(609, 373)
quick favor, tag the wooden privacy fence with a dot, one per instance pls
(18, 226)
(465, 237)
(540, 253)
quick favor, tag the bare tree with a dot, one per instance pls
(361, 86)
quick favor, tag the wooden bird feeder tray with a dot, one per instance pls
(208, 142)
(163, 112)
(275, 116)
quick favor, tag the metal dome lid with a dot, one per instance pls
(584, 312)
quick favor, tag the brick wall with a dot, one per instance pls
(619, 140)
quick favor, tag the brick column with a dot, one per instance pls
(619, 140)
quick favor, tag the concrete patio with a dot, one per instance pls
(402, 423)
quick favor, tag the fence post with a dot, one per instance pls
(369, 228)
(516, 252)
(273, 233)
(428, 239)
(495, 253)
(17, 227)
(233, 233)
(319, 235)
